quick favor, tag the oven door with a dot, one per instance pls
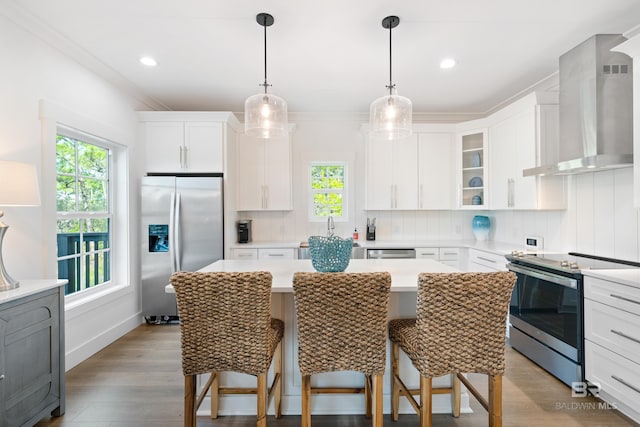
(548, 307)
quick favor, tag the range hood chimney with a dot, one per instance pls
(596, 109)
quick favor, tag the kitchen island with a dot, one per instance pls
(404, 284)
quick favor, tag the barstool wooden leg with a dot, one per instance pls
(455, 395)
(262, 400)
(367, 395)
(425, 401)
(495, 401)
(395, 388)
(189, 401)
(277, 369)
(215, 385)
(377, 400)
(306, 401)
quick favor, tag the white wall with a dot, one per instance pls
(33, 71)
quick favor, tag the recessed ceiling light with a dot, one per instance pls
(447, 63)
(148, 61)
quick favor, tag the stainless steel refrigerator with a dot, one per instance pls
(182, 230)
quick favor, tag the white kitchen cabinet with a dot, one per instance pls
(483, 261)
(471, 170)
(435, 171)
(392, 174)
(184, 147)
(244, 253)
(264, 174)
(448, 256)
(185, 142)
(612, 342)
(517, 142)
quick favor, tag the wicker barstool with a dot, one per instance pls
(460, 328)
(342, 327)
(226, 325)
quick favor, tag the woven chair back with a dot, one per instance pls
(224, 321)
(461, 322)
(342, 321)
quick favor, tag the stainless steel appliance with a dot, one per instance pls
(243, 228)
(182, 227)
(546, 311)
(390, 253)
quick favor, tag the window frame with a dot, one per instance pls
(344, 191)
(86, 138)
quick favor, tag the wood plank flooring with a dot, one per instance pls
(137, 382)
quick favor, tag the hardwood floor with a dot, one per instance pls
(137, 381)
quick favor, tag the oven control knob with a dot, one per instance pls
(564, 263)
(574, 266)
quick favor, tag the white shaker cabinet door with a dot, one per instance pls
(164, 146)
(435, 171)
(203, 147)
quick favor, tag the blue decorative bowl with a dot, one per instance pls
(481, 225)
(330, 254)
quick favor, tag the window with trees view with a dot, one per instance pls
(83, 211)
(328, 190)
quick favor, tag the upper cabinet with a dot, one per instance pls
(471, 171)
(264, 174)
(187, 142)
(392, 174)
(632, 48)
(518, 139)
(412, 173)
(435, 170)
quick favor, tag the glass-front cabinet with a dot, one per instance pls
(472, 169)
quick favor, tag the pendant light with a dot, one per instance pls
(265, 115)
(390, 115)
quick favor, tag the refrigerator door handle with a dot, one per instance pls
(172, 240)
(178, 252)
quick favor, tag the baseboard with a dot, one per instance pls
(90, 347)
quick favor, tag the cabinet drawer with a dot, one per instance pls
(449, 254)
(615, 329)
(612, 293)
(618, 377)
(276, 253)
(489, 260)
(427, 253)
(244, 253)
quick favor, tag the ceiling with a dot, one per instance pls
(325, 56)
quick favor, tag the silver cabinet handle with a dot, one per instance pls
(487, 259)
(451, 253)
(181, 156)
(623, 382)
(391, 196)
(623, 335)
(624, 298)
(510, 192)
(186, 156)
(275, 254)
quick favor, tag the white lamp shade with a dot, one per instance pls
(390, 116)
(265, 116)
(18, 184)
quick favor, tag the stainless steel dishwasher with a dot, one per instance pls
(390, 253)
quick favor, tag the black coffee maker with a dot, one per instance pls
(243, 228)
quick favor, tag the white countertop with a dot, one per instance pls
(626, 276)
(489, 246)
(404, 272)
(30, 287)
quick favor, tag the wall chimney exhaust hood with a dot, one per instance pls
(596, 109)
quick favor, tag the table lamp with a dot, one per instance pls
(18, 187)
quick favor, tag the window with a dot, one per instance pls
(328, 190)
(83, 205)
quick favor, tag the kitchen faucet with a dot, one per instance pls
(330, 226)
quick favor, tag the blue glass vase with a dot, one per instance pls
(481, 225)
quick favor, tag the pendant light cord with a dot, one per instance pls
(390, 61)
(265, 55)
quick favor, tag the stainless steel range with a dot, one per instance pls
(546, 312)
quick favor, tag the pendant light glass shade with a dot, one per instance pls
(390, 116)
(265, 115)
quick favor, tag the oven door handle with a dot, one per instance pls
(543, 275)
